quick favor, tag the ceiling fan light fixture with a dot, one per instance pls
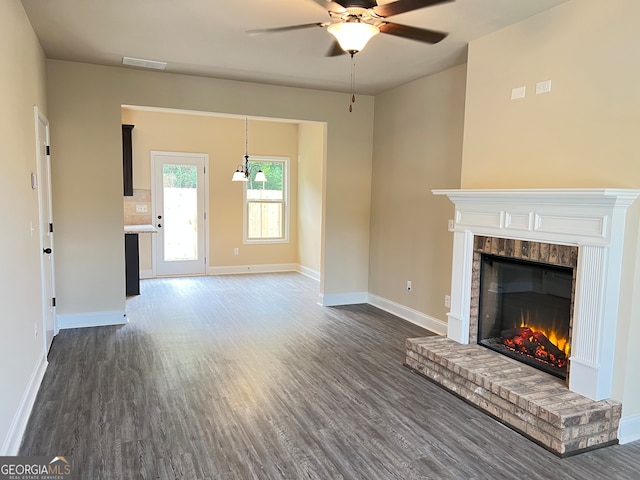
(353, 36)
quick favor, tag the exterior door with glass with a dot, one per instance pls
(179, 190)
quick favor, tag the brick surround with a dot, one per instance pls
(532, 402)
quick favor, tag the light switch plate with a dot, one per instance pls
(543, 87)
(519, 92)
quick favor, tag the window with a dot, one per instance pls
(266, 203)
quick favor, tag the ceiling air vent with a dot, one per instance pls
(141, 62)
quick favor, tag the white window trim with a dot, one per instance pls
(286, 214)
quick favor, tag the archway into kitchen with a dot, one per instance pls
(225, 138)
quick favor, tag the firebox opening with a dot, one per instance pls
(525, 311)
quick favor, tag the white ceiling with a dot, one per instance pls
(208, 38)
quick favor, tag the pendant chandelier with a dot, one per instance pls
(243, 172)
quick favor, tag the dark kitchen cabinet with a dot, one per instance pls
(127, 160)
(132, 264)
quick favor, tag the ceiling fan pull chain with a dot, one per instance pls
(353, 83)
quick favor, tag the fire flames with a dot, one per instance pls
(554, 337)
(545, 345)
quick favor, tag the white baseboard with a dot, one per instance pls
(425, 321)
(336, 299)
(314, 274)
(11, 443)
(92, 319)
(146, 274)
(629, 430)
(239, 269)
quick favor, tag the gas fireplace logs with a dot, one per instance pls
(536, 344)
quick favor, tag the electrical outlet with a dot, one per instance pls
(141, 208)
(450, 225)
(408, 285)
(35, 329)
(236, 251)
(447, 301)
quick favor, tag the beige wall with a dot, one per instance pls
(22, 85)
(582, 134)
(417, 147)
(589, 119)
(223, 140)
(85, 107)
(312, 139)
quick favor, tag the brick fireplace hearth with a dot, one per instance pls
(586, 228)
(531, 402)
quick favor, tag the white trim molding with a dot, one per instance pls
(629, 430)
(309, 272)
(241, 269)
(337, 299)
(11, 443)
(92, 319)
(591, 219)
(145, 274)
(409, 314)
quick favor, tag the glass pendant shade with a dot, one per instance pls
(353, 36)
(260, 176)
(239, 176)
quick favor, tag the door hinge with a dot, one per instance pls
(48, 150)
(51, 228)
(53, 302)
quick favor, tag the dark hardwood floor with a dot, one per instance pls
(243, 377)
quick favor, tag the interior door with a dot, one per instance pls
(42, 181)
(179, 191)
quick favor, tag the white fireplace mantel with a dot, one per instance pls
(591, 219)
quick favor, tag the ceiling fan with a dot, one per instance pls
(355, 22)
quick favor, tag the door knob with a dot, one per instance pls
(46, 250)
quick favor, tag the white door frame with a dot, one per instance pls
(42, 182)
(159, 156)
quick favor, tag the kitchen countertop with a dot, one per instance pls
(140, 229)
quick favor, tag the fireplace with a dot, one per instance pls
(571, 241)
(525, 311)
(582, 228)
